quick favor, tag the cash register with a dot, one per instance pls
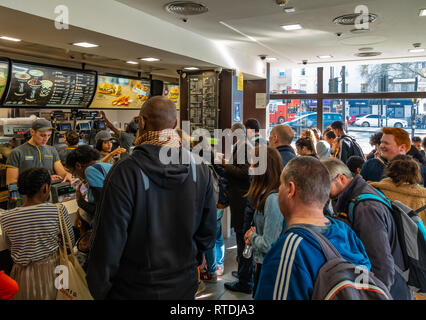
(64, 192)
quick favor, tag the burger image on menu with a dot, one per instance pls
(174, 94)
(109, 88)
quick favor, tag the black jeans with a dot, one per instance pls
(245, 266)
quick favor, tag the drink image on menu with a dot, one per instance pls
(46, 86)
(22, 78)
(34, 84)
(36, 74)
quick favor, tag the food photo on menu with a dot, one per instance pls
(33, 85)
(117, 92)
(28, 86)
(3, 76)
(172, 91)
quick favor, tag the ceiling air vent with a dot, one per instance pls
(351, 19)
(185, 8)
(368, 54)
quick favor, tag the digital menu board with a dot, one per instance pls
(48, 86)
(4, 69)
(172, 92)
(120, 93)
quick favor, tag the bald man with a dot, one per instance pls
(281, 137)
(155, 219)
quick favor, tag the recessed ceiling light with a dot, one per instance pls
(191, 68)
(292, 27)
(289, 10)
(422, 13)
(325, 57)
(10, 39)
(416, 50)
(85, 44)
(150, 59)
(131, 62)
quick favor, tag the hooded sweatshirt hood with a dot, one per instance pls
(344, 240)
(165, 175)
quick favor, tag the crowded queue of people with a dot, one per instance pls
(145, 226)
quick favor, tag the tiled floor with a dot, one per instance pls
(217, 291)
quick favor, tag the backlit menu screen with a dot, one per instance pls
(45, 86)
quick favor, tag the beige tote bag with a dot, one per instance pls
(77, 284)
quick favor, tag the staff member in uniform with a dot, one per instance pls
(35, 153)
(127, 137)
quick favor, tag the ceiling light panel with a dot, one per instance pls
(85, 44)
(10, 38)
(292, 27)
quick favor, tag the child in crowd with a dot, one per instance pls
(32, 233)
(355, 164)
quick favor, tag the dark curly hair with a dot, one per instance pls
(376, 138)
(31, 180)
(72, 137)
(83, 154)
(404, 169)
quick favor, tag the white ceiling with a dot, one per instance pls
(41, 39)
(398, 26)
(124, 33)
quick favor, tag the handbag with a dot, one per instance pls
(77, 284)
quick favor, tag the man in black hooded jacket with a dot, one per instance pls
(155, 219)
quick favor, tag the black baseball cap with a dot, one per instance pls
(41, 125)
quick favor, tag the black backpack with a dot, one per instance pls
(338, 279)
(356, 148)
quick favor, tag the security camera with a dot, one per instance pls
(305, 61)
(281, 3)
(179, 72)
(262, 57)
(218, 70)
(185, 20)
(339, 34)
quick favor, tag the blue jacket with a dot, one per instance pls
(286, 153)
(269, 226)
(291, 266)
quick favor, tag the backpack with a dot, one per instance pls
(411, 235)
(339, 279)
(357, 150)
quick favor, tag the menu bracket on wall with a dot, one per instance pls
(46, 86)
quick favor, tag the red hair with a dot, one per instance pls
(400, 135)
